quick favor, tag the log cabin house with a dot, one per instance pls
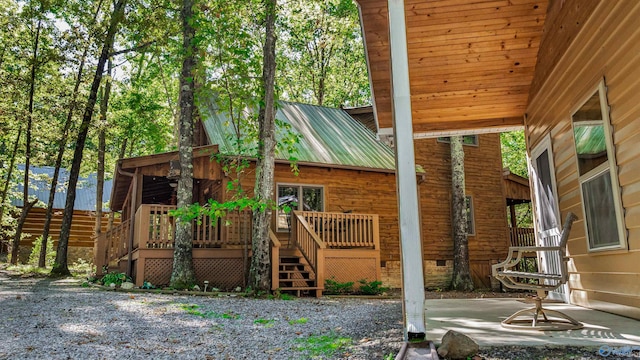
(568, 72)
(346, 225)
(84, 214)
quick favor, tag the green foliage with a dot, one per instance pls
(514, 158)
(35, 252)
(300, 321)
(514, 152)
(372, 288)
(267, 323)
(321, 58)
(333, 287)
(115, 278)
(82, 268)
(194, 309)
(216, 210)
(286, 297)
(322, 345)
(28, 270)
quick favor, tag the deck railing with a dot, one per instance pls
(344, 230)
(522, 236)
(309, 244)
(116, 240)
(155, 229)
(233, 229)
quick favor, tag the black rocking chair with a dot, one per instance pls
(542, 282)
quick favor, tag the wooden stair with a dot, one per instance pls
(295, 276)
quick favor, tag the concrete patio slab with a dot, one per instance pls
(480, 319)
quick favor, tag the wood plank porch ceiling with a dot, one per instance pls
(471, 62)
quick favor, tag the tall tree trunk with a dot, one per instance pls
(26, 205)
(5, 189)
(461, 279)
(60, 266)
(260, 277)
(61, 146)
(104, 104)
(183, 275)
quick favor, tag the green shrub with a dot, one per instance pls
(50, 257)
(371, 288)
(81, 267)
(114, 278)
(333, 287)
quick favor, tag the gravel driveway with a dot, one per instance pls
(59, 319)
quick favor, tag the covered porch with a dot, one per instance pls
(318, 245)
(480, 319)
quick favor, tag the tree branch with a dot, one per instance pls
(135, 48)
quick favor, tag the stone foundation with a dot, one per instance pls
(73, 254)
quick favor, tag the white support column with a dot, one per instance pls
(410, 238)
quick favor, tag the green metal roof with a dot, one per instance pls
(327, 136)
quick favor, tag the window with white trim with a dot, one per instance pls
(471, 228)
(297, 197)
(597, 173)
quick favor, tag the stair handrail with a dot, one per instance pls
(313, 253)
(275, 259)
(310, 230)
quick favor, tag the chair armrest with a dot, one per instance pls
(515, 255)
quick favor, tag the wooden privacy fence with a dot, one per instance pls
(522, 236)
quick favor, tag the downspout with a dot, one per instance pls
(132, 215)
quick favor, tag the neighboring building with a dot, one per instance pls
(84, 219)
(345, 173)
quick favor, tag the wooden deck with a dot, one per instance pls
(344, 247)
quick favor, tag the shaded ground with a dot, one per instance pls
(58, 319)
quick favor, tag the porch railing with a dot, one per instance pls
(522, 236)
(344, 230)
(156, 228)
(309, 244)
(117, 237)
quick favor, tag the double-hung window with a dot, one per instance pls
(597, 173)
(297, 197)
